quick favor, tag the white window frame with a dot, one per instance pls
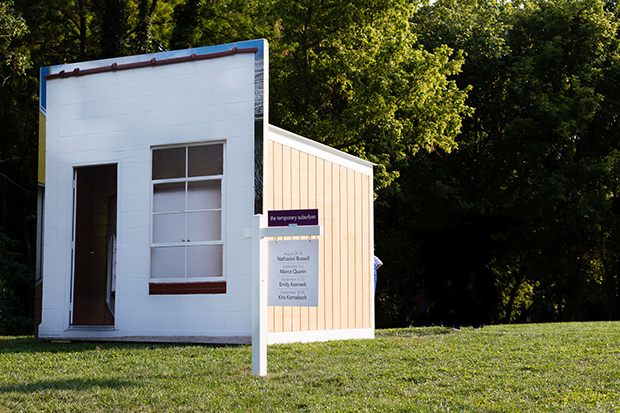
(187, 179)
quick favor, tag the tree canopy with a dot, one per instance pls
(541, 148)
(352, 75)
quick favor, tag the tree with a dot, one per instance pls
(541, 146)
(186, 17)
(17, 186)
(217, 22)
(351, 75)
(16, 291)
(112, 26)
(17, 150)
(144, 26)
(564, 144)
(60, 30)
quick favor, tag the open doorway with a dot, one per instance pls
(94, 246)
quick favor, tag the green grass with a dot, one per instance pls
(570, 367)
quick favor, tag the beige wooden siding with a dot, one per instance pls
(297, 180)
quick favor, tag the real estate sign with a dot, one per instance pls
(294, 273)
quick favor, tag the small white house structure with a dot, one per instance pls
(151, 170)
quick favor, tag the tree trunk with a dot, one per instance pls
(511, 301)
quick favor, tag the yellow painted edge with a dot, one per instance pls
(41, 161)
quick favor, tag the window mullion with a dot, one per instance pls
(186, 248)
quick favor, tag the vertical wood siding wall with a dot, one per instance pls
(297, 180)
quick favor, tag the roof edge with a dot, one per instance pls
(152, 62)
(322, 147)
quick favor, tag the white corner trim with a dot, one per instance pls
(319, 150)
(319, 335)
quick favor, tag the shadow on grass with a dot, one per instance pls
(69, 384)
(29, 344)
(412, 332)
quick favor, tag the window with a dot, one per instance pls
(186, 240)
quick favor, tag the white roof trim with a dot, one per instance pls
(319, 150)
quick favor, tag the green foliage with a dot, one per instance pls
(557, 177)
(149, 25)
(112, 27)
(217, 22)
(64, 31)
(60, 30)
(18, 93)
(186, 27)
(16, 291)
(541, 147)
(568, 367)
(144, 25)
(14, 55)
(351, 75)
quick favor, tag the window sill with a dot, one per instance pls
(172, 288)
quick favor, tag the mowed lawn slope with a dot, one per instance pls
(506, 368)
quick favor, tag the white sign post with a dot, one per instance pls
(259, 232)
(259, 297)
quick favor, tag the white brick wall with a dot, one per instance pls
(116, 117)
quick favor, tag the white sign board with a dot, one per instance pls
(294, 273)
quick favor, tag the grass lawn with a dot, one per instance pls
(568, 367)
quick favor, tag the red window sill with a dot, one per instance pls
(207, 287)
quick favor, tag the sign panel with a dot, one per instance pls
(294, 273)
(293, 217)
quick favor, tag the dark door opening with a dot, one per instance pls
(94, 270)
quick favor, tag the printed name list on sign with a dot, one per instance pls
(294, 273)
